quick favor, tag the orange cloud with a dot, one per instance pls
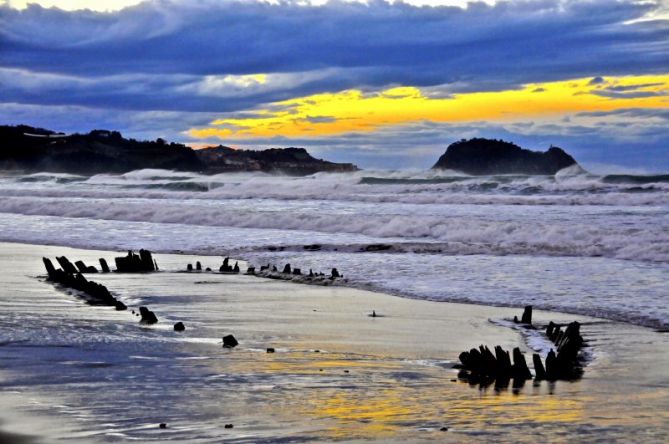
(354, 111)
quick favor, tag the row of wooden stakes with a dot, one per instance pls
(132, 263)
(71, 276)
(481, 365)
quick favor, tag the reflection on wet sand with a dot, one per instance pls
(356, 396)
(336, 374)
(381, 398)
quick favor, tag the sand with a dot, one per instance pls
(75, 372)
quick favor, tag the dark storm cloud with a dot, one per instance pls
(152, 56)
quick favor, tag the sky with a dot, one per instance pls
(380, 84)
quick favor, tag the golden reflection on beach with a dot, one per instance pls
(382, 412)
(336, 374)
(371, 414)
(524, 409)
(356, 396)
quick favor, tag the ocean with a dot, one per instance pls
(574, 242)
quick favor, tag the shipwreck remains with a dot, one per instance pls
(482, 366)
(289, 273)
(564, 364)
(133, 263)
(229, 341)
(226, 268)
(526, 319)
(68, 276)
(148, 317)
(72, 277)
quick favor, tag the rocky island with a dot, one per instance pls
(486, 157)
(31, 149)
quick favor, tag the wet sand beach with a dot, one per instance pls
(79, 373)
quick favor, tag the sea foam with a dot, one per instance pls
(421, 218)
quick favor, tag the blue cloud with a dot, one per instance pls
(320, 119)
(140, 57)
(160, 67)
(636, 113)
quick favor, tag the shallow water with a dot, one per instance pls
(75, 372)
(574, 242)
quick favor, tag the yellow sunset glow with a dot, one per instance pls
(354, 111)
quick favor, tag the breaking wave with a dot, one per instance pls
(562, 215)
(416, 221)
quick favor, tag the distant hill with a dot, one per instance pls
(100, 151)
(31, 149)
(294, 161)
(485, 157)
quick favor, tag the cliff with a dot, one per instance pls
(32, 149)
(486, 157)
(292, 161)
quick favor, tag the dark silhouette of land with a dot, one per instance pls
(485, 157)
(36, 149)
(295, 161)
(32, 149)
